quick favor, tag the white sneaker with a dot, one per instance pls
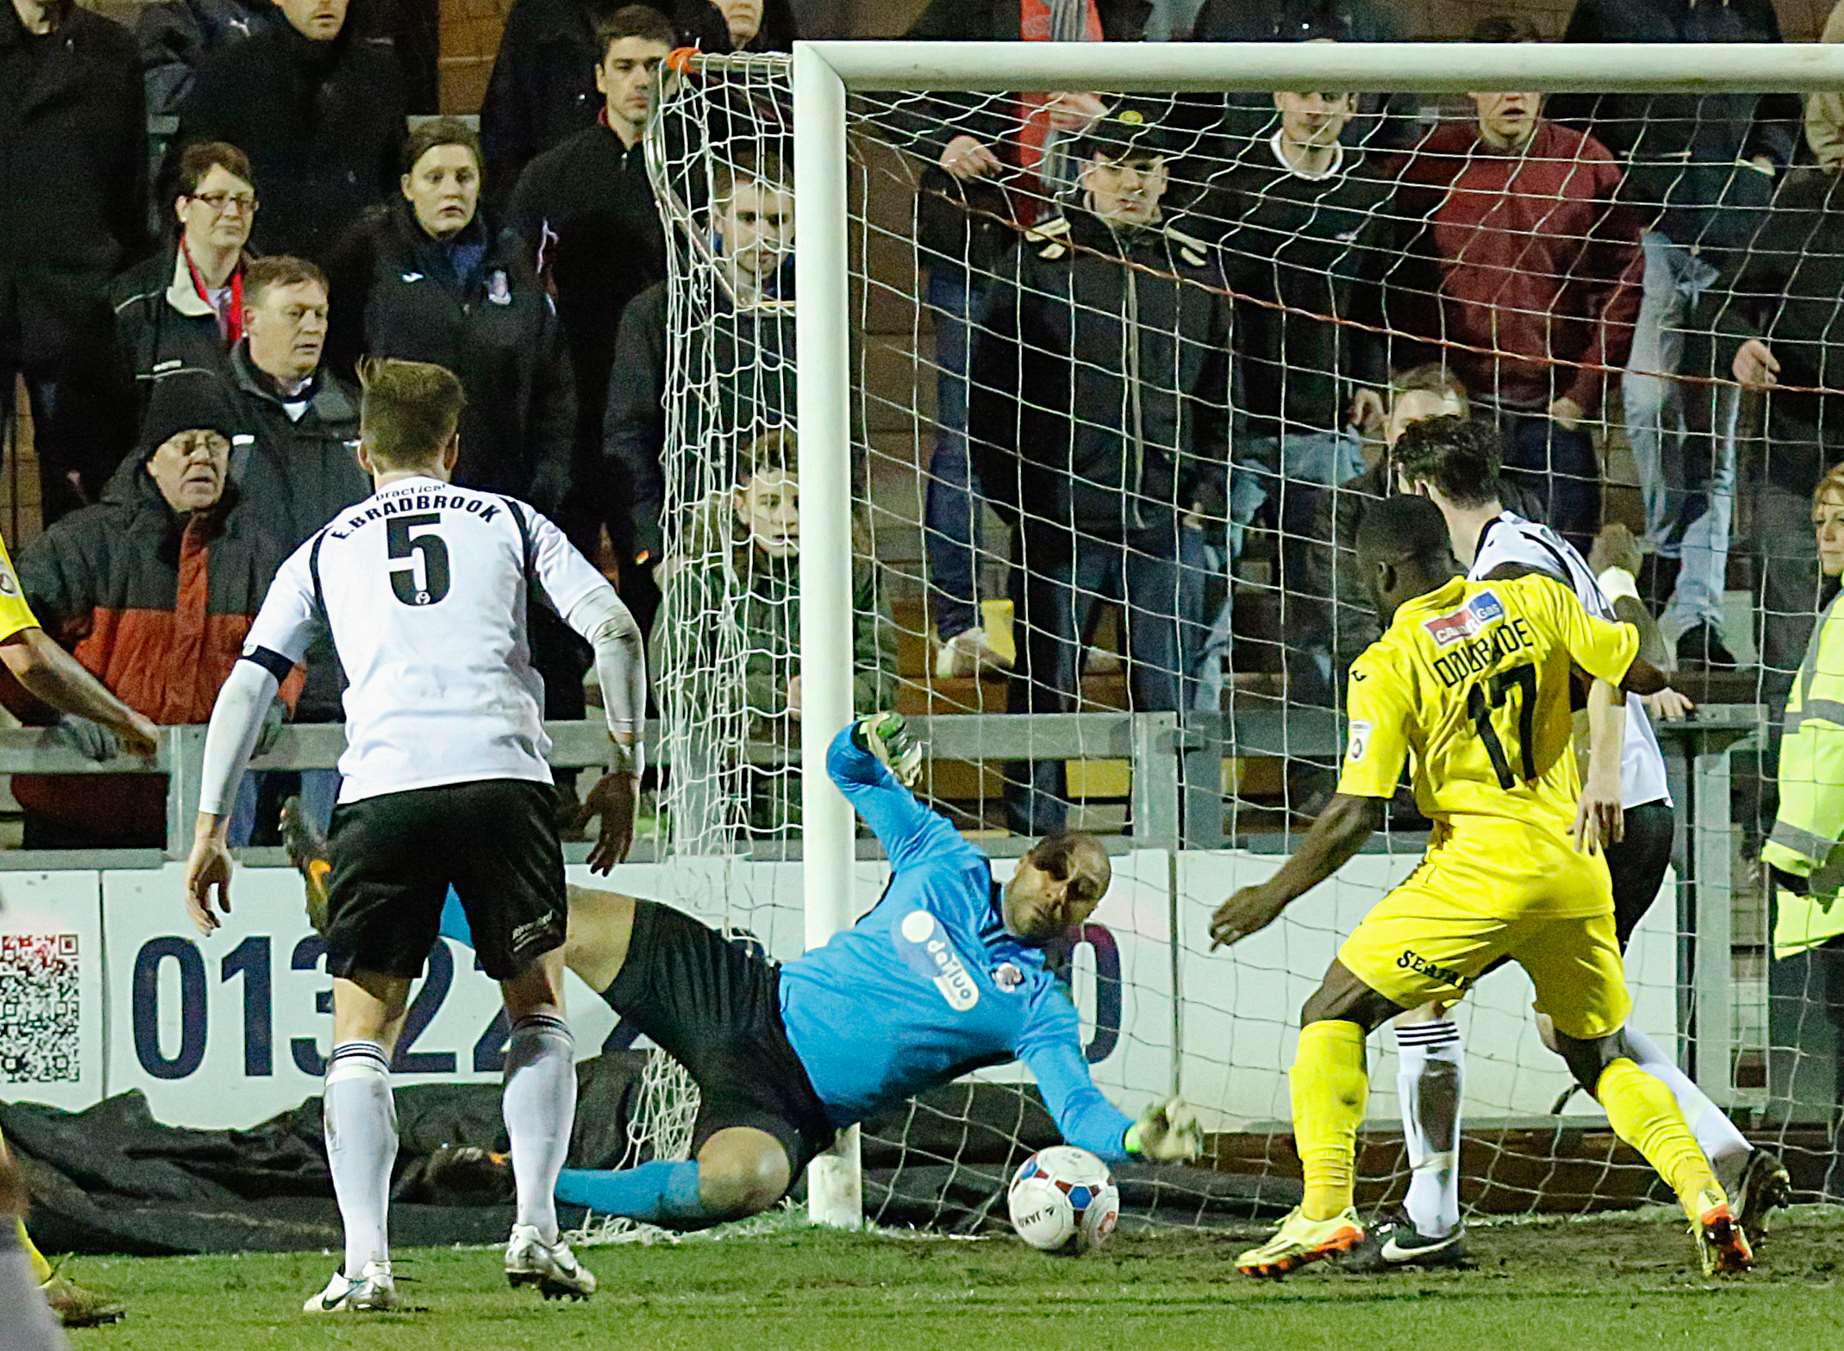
(552, 1267)
(375, 1291)
(967, 653)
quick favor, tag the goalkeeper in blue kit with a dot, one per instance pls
(945, 975)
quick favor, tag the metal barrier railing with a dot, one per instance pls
(1176, 760)
(1176, 802)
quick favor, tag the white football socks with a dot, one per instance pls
(360, 1118)
(1430, 1081)
(1722, 1144)
(540, 1108)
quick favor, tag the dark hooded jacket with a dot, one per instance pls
(322, 123)
(73, 184)
(474, 305)
(1684, 153)
(1101, 379)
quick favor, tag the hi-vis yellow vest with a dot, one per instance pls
(1808, 834)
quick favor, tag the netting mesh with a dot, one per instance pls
(1124, 375)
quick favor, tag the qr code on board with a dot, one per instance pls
(39, 1006)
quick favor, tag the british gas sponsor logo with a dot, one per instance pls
(1466, 621)
(927, 951)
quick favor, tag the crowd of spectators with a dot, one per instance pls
(1583, 271)
(190, 385)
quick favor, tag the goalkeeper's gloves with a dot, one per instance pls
(1168, 1132)
(887, 737)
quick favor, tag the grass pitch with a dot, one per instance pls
(1571, 1285)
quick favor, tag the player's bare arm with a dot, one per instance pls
(621, 671)
(1341, 830)
(50, 673)
(1645, 679)
(1601, 818)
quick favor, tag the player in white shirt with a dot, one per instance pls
(425, 589)
(1455, 464)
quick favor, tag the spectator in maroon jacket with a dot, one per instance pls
(1523, 272)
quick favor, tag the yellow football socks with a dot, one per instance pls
(41, 1269)
(1329, 1089)
(1643, 1113)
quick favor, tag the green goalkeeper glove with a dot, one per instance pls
(887, 736)
(1167, 1133)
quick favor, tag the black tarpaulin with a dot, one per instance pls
(114, 1180)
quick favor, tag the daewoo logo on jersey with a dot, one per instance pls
(1463, 623)
(927, 951)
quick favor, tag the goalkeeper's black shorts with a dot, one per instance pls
(714, 1006)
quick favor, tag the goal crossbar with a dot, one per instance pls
(1262, 67)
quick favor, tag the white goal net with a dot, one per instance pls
(1125, 369)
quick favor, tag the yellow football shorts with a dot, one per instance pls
(1527, 897)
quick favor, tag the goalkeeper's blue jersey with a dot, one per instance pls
(930, 985)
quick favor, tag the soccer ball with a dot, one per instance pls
(1063, 1199)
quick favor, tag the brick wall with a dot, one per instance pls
(470, 37)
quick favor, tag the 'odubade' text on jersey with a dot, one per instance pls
(1474, 679)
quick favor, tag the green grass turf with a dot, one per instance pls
(1575, 1285)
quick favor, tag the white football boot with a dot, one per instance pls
(375, 1291)
(552, 1267)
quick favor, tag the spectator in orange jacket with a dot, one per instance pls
(152, 590)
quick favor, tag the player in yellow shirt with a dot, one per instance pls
(1474, 678)
(51, 674)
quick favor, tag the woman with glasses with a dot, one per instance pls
(183, 307)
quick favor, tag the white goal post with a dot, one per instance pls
(824, 73)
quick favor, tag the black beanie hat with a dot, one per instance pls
(188, 401)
